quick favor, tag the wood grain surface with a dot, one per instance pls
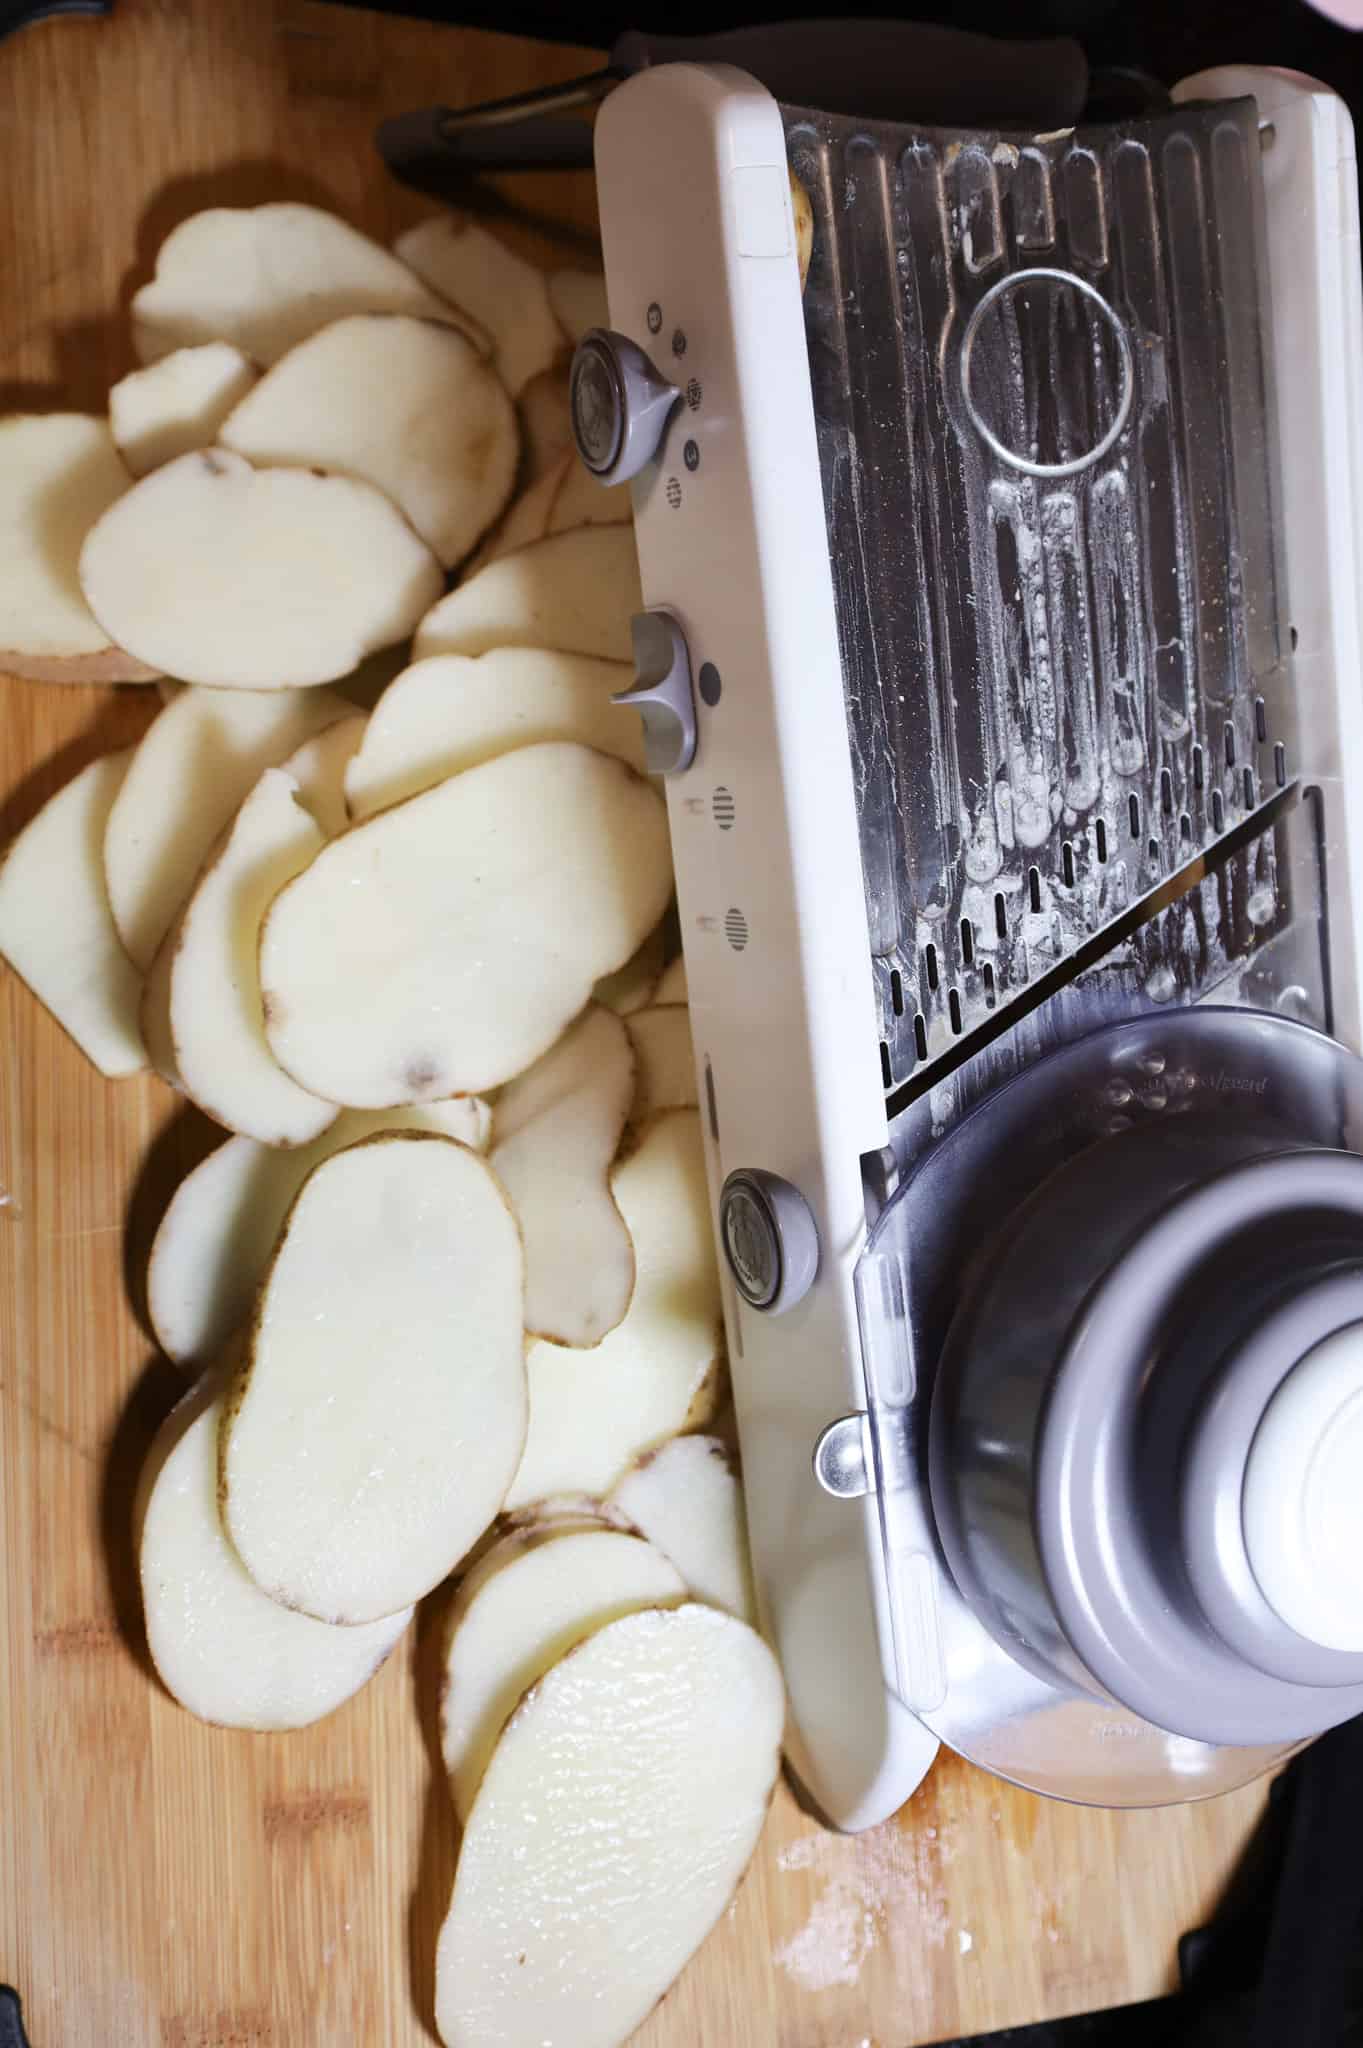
(166, 1883)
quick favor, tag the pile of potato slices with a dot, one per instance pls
(384, 890)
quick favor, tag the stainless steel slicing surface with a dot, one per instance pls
(1045, 431)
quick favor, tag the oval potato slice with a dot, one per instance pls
(254, 578)
(556, 1130)
(217, 1024)
(525, 1604)
(442, 946)
(266, 277)
(196, 762)
(215, 1240)
(575, 591)
(593, 1412)
(56, 928)
(59, 473)
(378, 1416)
(405, 404)
(507, 295)
(453, 711)
(686, 1498)
(222, 1648)
(178, 403)
(612, 1826)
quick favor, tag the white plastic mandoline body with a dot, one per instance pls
(699, 247)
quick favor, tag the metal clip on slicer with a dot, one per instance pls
(1002, 656)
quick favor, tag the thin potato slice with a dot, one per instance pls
(665, 1060)
(59, 473)
(583, 501)
(556, 1131)
(215, 1240)
(319, 768)
(217, 1024)
(578, 298)
(56, 928)
(525, 519)
(575, 591)
(178, 403)
(687, 1500)
(672, 987)
(222, 1648)
(255, 578)
(408, 405)
(524, 1605)
(546, 424)
(632, 986)
(427, 951)
(453, 711)
(370, 1435)
(266, 277)
(593, 1412)
(196, 762)
(612, 1826)
(463, 262)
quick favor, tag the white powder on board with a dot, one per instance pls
(862, 1881)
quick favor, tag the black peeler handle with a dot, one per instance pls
(878, 70)
(889, 70)
(12, 2033)
(16, 14)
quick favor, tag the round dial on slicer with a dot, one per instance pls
(621, 405)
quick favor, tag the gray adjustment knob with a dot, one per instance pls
(770, 1239)
(661, 692)
(620, 405)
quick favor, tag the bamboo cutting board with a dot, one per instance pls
(166, 1883)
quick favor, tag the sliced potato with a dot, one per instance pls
(632, 986)
(556, 1131)
(593, 1412)
(526, 519)
(408, 405)
(614, 1821)
(266, 277)
(509, 296)
(574, 591)
(319, 767)
(665, 1061)
(578, 298)
(672, 986)
(153, 1018)
(582, 501)
(59, 473)
(687, 1500)
(221, 1647)
(217, 1023)
(564, 497)
(524, 1605)
(426, 952)
(452, 711)
(255, 578)
(546, 424)
(178, 403)
(375, 1423)
(56, 928)
(214, 1243)
(196, 762)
